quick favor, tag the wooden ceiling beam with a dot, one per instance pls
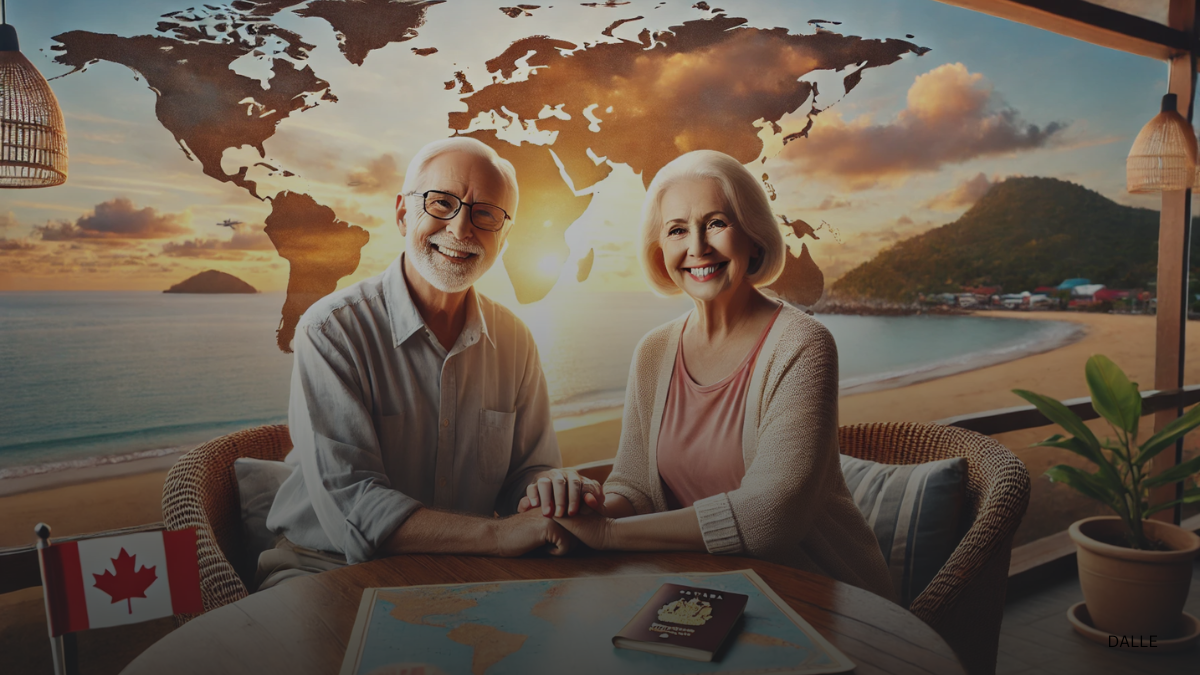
(1088, 22)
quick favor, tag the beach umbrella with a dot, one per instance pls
(33, 138)
(1163, 156)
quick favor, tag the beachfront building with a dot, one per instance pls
(1086, 291)
(1015, 300)
(979, 296)
(1039, 301)
(1112, 295)
(1071, 284)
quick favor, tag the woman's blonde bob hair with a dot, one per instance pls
(745, 196)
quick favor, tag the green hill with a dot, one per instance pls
(1024, 233)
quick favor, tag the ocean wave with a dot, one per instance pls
(88, 462)
(585, 404)
(39, 457)
(1056, 334)
(22, 459)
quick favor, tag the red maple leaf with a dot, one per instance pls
(125, 584)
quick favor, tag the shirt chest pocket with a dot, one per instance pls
(495, 444)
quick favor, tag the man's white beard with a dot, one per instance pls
(445, 276)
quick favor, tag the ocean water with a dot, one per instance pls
(88, 378)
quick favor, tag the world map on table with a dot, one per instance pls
(524, 627)
(562, 112)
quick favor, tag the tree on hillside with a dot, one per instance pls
(1024, 233)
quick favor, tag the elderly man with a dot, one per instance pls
(418, 406)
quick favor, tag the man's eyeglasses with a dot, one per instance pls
(444, 206)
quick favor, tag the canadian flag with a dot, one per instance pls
(117, 580)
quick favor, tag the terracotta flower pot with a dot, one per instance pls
(1131, 592)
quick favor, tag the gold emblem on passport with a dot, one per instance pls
(694, 612)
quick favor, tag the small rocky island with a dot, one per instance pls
(212, 281)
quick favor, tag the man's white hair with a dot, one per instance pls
(744, 194)
(466, 145)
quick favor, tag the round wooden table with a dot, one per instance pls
(303, 625)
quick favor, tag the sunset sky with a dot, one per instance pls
(911, 148)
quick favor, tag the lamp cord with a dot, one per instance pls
(3, 12)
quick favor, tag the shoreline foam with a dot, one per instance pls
(584, 411)
(130, 464)
(1064, 334)
(27, 470)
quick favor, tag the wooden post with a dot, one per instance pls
(1090, 22)
(1174, 230)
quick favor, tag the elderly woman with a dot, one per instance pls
(729, 440)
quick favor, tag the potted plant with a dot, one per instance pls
(1135, 572)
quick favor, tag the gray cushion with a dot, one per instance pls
(258, 480)
(917, 513)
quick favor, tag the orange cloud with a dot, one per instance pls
(68, 266)
(832, 202)
(116, 219)
(380, 176)
(245, 238)
(964, 194)
(10, 245)
(351, 212)
(952, 116)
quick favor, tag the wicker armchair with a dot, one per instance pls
(201, 492)
(964, 603)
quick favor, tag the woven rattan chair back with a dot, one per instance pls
(965, 601)
(201, 492)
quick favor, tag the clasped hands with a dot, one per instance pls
(572, 507)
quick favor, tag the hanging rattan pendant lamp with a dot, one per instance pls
(33, 138)
(1163, 156)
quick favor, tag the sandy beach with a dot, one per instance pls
(130, 494)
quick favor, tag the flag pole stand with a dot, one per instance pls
(57, 648)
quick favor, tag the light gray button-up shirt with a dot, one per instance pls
(384, 420)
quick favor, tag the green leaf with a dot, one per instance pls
(1108, 473)
(1066, 443)
(1061, 415)
(1114, 397)
(1118, 449)
(1189, 497)
(1174, 474)
(1137, 413)
(1086, 484)
(1167, 436)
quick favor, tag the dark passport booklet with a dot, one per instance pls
(684, 621)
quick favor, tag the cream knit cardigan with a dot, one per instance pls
(793, 506)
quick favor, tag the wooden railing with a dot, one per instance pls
(19, 565)
(1003, 420)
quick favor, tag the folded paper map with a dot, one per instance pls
(566, 625)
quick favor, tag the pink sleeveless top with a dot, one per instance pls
(700, 439)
